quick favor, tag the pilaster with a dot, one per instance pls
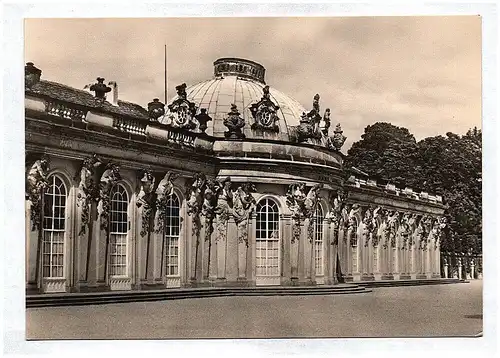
(286, 253)
(251, 251)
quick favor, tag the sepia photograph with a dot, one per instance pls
(253, 177)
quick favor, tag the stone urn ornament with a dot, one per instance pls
(338, 139)
(156, 109)
(100, 89)
(203, 118)
(31, 75)
(234, 123)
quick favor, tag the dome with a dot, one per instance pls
(241, 82)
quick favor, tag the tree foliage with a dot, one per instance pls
(449, 166)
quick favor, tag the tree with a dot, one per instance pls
(448, 166)
(385, 152)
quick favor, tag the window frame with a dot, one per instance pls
(319, 236)
(166, 238)
(264, 235)
(113, 234)
(51, 230)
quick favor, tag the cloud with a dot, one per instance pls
(423, 73)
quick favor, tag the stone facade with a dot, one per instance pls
(118, 200)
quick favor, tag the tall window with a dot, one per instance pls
(318, 240)
(171, 240)
(118, 231)
(267, 238)
(54, 228)
(354, 235)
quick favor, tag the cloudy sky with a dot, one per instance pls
(423, 73)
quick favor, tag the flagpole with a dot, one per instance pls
(165, 72)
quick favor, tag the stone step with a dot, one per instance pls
(48, 300)
(419, 282)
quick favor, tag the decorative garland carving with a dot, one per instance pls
(412, 223)
(405, 230)
(424, 229)
(302, 207)
(334, 216)
(438, 228)
(36, 183)
(390, 229)
(209, 206)
(375, 236)
(368, 226)
(295, 198)
(243, 206)
(88, 190)
(264, 113)
(108, 179)
(145, 200)
(195, 193)
(163, 192)
(182, 111)
(223, 209)
(345, 220)
(355, 210)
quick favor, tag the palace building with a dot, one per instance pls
(231, 183)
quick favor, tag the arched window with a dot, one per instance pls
(354, 238)
(171, 238)
(118, 231)
(318, 240)
(54, 225)
(267, 238)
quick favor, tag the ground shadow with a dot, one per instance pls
(474, 316)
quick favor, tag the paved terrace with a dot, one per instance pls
(438, 310)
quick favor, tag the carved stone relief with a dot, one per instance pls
(438, 227)
(182, 112)
(243, 206)
(390, 230)
(265, 113)
(108, 179)
(334, 216)
(405, 230)
(352, 227)
(209, 206)
(375, 236)
(302, 207)
(309, 126)
(36, 183)
(367, 225)
(224, 207)
(163, 192)
(88, 190)
(195, 189)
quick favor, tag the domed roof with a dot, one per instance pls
(241, 82)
